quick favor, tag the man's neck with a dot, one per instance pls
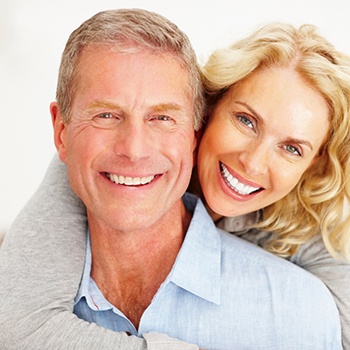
(129, 267)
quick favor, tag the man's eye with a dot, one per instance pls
(163, 118)
(161, 121)
(293, 150)
(106, 119)
(105, 115)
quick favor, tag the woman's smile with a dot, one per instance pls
(235, 184)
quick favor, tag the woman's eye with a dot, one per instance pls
(245, 120)
(293, 150)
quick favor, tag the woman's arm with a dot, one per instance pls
(314, 257)
(41, 262)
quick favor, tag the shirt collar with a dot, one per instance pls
(85, 279)
(88, 288)
(197, 266)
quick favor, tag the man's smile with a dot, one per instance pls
(128, 180)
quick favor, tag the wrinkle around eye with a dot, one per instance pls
(162, 121)
(243, 122)
(106, 118)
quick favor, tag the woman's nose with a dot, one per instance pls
(255, 159)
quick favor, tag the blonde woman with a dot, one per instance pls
(310, 223)
(282, 93)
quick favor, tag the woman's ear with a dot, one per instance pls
(60, 130)
(321, 153)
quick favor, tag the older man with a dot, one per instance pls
(129, 101)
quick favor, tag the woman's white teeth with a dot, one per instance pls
(130, 181)
(235, 184)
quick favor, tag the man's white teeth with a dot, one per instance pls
(130, 181)
(235, 184)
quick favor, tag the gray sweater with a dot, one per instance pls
(41, 263)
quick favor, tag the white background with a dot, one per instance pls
(33, 34)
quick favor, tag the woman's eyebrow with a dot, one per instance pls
(300, 142)
(251, 110)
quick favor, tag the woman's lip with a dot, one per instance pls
(232, 193)
(240, 178)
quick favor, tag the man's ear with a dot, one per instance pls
(60, 130)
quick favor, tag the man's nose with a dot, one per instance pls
(134, 140)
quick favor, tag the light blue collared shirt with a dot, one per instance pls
(225, 293)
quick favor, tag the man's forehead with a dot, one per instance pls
(161, 81)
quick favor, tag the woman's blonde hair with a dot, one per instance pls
(320, 201)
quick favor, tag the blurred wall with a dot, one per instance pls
(33, 34)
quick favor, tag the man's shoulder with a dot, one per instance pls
(239, 252)
(254, 275)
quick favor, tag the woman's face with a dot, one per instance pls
(260, 138)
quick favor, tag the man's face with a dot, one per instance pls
(129, 146)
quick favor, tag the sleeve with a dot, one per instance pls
(41, 263)
(335, 274)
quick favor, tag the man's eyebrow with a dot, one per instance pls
(103, 104)
(263, 121)
(156, 108)
(167, 107)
